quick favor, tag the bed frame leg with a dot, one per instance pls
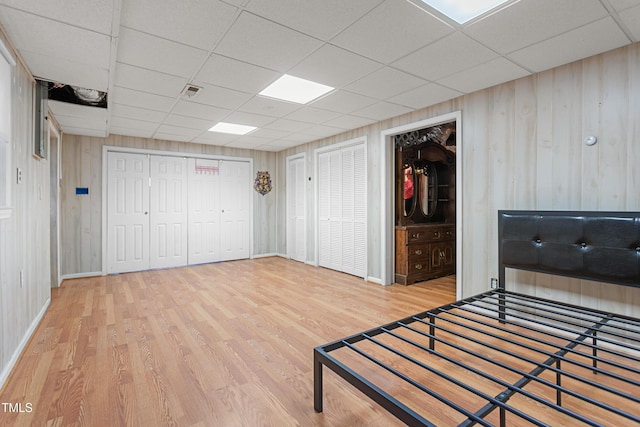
(317, 382)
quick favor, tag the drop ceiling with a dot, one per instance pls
(384, 57)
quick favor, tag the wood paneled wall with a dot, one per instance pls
(81, 222)
(522, 148)
(24, 236)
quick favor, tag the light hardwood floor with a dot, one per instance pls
(226, 344)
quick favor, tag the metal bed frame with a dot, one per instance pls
(488, 358)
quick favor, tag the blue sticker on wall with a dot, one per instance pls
(82, 190)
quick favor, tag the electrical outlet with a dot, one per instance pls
(494, 283)
(18, 176)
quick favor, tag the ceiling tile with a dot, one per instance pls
(345, 66)
(382, 111)
(527, 22)
(126, 123)
(631, 18)
(172, 137)
(269, 133)
(250, 119)
(494, 72)
(322, 131)
(247, 142)
(188, 122)
(299, 138)
(144, 80)
(34, 34)
(61, 70)
(269, 107)
(200, 111)
(114, 130)
(77, 117)
(343, 101)
(424, 96)
(265, 43)
(242, 76)
(580, 43)
(177, 130)
(349, 122)
(312, 115)
(197, 23)
(320, 19)
(95, 15)
(385, 83)
(154, 53)
(121, 110)
(392, 30)
(60, 108)
(449, 55)
(286, 125)
(214, 138)
(136, 98)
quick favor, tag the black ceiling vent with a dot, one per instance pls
(191, 90)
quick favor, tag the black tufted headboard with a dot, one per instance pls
(600, 246)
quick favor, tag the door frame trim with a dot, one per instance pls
(387, 160)
(110, 148)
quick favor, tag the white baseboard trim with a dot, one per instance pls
(265, 255)
(6, 371)
(375, 280)
(81, 275)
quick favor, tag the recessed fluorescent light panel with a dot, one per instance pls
(462, 11)
(223, 127)
(295, 89)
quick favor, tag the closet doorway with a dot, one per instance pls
(388, 208)
(165, 210)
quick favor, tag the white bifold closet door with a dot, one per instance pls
(168, 212)
(204, 211)
(127, 212)
(219, 216)
(235, 220)
(296, 221)
(342, 233)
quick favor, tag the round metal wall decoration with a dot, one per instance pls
(262, 183)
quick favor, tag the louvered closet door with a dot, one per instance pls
(342, 210)
(204, 210)
(168, 212)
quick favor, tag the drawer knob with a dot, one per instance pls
(415, 235)
(418, 266)
(418, 252)
(436, 234)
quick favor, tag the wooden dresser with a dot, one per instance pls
(424, 251)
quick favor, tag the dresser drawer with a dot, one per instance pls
(419, 265)
(430, 234)
(417, 251)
